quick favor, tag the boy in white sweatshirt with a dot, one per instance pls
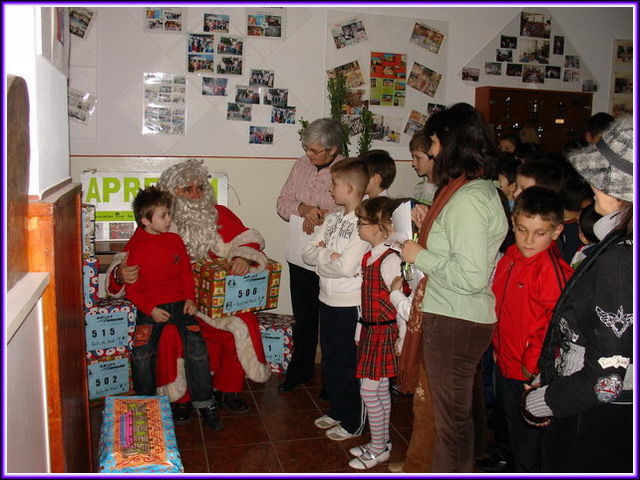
(336, 251)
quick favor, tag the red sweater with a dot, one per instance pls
(526, 291)
(165, 270)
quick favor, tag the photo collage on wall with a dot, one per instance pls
(530, 50)
(80, 20)
(384, 89)
(81, 105)
(266, 23)
(163, 19)
(165, 104)
(622, 81)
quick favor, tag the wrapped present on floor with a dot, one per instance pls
(277, 339)
(90, 288)
(88, 230)
(220, 294)
(109, 376)
(109, 327)
(138, 436)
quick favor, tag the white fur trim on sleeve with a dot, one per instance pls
(117, 260)
(176, 389)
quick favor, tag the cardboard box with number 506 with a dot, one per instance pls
(220, 294)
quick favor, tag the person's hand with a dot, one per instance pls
(418, 213)
(396, 284)
(321, 244)
(527, 374)
(410, 250)
(239, 266)
(313, 216)
(190, 307)
(526, 415)
(159, 315)
(128, 273)
(335, 256)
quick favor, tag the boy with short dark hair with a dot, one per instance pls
(528, 282)
(164, 293)
(382, 171)
(336, 251)
(540, 172)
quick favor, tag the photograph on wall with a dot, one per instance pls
(434, 107)
(514, 70)
(623, 51)
(388, 75)
(492, 68)
(354, 102)
(507, 41)
(504, 55)
(199, 63)
(200, 43)
(165, 106)
(163, 19)
(351, 71)
(248, 94)
(571, 61)
(237, 111)
(589, 85)
(349, 32)
(283, 115)
(415, 122)
(386, 128)
(558, 45)
(80, 20)
(81, 105)
(533, 50)
(571, 75)
(261, 135)
(277, 97)
(354, 124)
(621, 105)
(214, 86)
(231, 45)
(261, 77)
(215, 23)
(623, 82)
(533, 74)
(263, 24)
(470, 74)
(424, 79)
(229, 65)
(553, 73)
(535, 25)
(426, 37)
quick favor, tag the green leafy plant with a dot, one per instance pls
(303, 126)
(364, 143)
(338, 90)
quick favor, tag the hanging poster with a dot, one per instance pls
(424, 79)
(81, 105)
(164, 104)
(388, 79)
(163, 19)
(349, 32)
(266, 23)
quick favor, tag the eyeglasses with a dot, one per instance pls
(312, 151)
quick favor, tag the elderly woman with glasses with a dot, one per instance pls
(303, 202)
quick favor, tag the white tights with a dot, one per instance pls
(375, 395)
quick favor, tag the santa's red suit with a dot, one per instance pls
(233, 342)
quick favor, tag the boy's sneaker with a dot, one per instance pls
(231, 402)
(211, 417)
(339, 434)
(368, 460)
(325, 421)
(181, 413)
(362, 449)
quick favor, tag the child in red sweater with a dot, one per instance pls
(165, 294)
(529, 279)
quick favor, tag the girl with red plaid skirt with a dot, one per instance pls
(377, 329)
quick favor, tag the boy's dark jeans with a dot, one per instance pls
(196, 358)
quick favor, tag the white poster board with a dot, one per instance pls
(113, 192)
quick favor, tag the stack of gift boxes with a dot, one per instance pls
(109, 324)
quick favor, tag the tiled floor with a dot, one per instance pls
(276, 436)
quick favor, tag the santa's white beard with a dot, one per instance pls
(197, 224)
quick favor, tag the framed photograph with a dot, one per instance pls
(533, 74)
(261, 135)
(492, 68)
(508, 42)
(535, 25)
(514, 70)
(553, 73)
(426, 37)
(533, 50)
(215, 23)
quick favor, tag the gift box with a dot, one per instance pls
(90, 282)
(220, 294)
(277, 339)
(88, 230)
(109, 327)
(137, 436)
(109, 376)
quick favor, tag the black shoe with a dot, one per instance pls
(493, 464)
(233, 403)
(287, 386)
(211, 417)
(181, 413)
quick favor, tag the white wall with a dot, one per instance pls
(116, 52)
(48, 127)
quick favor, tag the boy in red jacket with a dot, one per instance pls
(529, 279)
(165, 294)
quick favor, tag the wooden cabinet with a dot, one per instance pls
(552, 118)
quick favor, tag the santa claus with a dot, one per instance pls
(233, 342)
